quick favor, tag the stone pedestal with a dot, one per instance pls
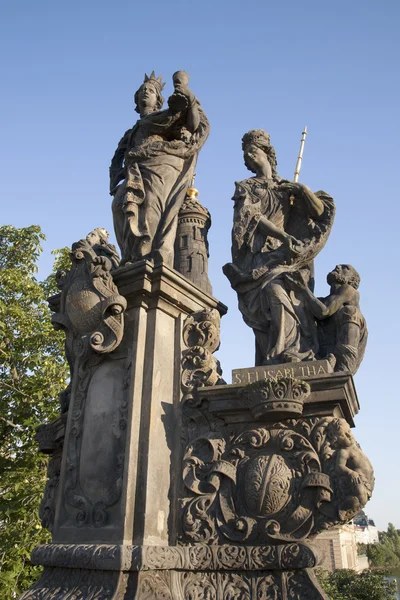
(117, 482)
(116, 485)
(212, 493)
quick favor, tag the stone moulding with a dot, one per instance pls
(199, 557)
(331, 394)
(154, 285)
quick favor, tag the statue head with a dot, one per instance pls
(180, 79)
(97, 236)
(343, 274)
(256, 145)
(339, 434)
(148, 97)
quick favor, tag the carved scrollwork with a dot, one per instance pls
(79, 584)
(269, 588)
(197, 557)
(85, 584)
(201, 332)
(284, 482)
(155, 586)
(89, 308)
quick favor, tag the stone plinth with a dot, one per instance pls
(116, 483)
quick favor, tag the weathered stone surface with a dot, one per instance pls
(259, 482)
(191, 246)
(276, 399)
(279, 227)
(201, 557)
(125, 572)
(200, 368)
(88, 309)
(50, 437)
(332, 394)
(85, 584)
(300, 370)
(152, 168)
(116, 482)
(164, 481)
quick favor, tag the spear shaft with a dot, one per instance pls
(300, 157)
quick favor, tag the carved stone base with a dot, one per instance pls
(82, 584)
(111, 572)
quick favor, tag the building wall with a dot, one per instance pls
(366, 535)
(340, 549)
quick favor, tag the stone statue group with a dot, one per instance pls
(278, 229)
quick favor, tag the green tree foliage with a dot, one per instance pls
(345, 584)
(387, 552)
(32, 373)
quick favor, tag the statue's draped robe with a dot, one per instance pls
(159, 156)
(284, 327)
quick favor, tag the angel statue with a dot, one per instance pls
(152, 168)
(279, 227)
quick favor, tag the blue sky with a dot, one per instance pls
(69, 72)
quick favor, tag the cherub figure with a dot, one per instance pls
(352, 469)
(98, 240)
(341, 325)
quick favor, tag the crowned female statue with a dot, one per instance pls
(152, 168)
(279, 227)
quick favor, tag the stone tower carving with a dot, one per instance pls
(191, 246)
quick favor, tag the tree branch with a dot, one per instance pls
(11, 424)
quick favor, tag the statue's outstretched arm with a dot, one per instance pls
(193, 120)
(193, 115)
(330, 305)
(313, 203)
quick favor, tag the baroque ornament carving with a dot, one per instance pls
(91, 312)
(80, 584)
(198, 557)
(201, 335)
(90, 308)
(278, 399)
(280, 482)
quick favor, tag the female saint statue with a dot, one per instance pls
(279, 227)
(152, 168)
